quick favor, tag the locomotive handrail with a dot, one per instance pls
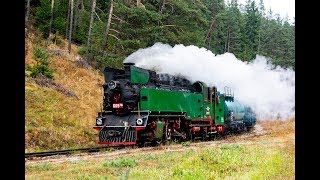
(142, 111)
(167, 115)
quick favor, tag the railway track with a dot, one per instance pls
(69, 151)
(81, 150)
(97, 149)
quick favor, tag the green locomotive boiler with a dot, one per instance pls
(142, 106)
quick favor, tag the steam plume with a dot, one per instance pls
(269, 91)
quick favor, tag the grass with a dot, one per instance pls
(243, 162)
(123, 162)
(187, 143)
(266, 157)
(39, 167)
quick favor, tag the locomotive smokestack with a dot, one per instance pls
(127, 69)
(128, 64)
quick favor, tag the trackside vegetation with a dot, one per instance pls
(263, 159)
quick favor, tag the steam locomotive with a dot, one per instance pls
(140, 106)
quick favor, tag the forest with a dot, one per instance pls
(107, 31)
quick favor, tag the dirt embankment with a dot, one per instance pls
(60, 113)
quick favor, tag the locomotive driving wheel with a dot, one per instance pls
(168, 135)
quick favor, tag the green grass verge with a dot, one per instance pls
(265, 159)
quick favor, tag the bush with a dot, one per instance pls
(42, 65)
(82, 50)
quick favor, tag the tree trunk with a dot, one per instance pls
(70, 30)
(138, 2)
(82, 6)
(210, 31)
(104, 44)
(80, 12)
(51, 19)
(91, 23)
(259, 43)
(227, 41)
(68, 20)
(214, 12)
(162, 6)
(76, 15)
(28, 10)
(228, 46)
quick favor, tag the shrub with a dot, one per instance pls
(82, 50)
(42, 64)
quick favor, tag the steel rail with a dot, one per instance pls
(69, 151)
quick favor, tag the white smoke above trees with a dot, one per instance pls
(270, 92)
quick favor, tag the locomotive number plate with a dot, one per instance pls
(119, 105)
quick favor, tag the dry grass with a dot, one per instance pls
(279, 127)
(55, 120)
(46, 82)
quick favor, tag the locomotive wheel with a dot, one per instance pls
(168, 135)
(203, 136)
(192, 137)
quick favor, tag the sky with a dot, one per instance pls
(282, 7)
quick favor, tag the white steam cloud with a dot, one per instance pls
(270, 92)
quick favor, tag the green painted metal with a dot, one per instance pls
(138, 75)
(159, 129)
(220, 110)
(172, 101)
(196, 105)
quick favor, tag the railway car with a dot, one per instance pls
(141, 106)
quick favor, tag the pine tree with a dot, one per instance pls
(250, 33)
(27, 13)
(234, 23)
(70, 30)
(68, 19)
(51, 19)
(243, 31)
(91, 24)
(216, 7)
(104, 44)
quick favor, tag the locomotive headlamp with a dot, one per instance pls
(139, 122)
(99, 121)
(112, 84)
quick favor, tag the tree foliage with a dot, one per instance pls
(243, 30)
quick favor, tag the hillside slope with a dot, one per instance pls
(60, 114)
